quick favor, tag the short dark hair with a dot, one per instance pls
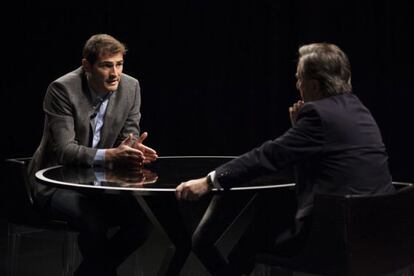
(328, 64)
(102, 44)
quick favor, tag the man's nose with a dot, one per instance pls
(114, 71)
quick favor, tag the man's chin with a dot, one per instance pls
(112, 88)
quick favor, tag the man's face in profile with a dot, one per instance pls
(309, 89)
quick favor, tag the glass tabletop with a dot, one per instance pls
(162, 175)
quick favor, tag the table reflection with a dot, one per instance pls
(162, 175)
(103, 177)
(165, 173)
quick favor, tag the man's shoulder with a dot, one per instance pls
(334, 103)
(70, 83)
(309, 109)
(343, 98)
(128, 80)
(71, 77)
(330, 107)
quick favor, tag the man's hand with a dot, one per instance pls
(150, 155)
(192, 190)
(293, 111)
(125, 155)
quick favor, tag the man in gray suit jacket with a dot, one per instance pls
(92, 118)
(334, 143)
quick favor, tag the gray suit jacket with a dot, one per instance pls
(67, 134)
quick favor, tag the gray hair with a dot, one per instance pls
(328, 64)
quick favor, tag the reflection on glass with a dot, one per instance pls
(130, 178)
(99, 176)
(165, 173)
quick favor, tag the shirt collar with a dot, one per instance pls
(98, 99)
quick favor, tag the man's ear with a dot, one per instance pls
(314, 90)
(314, 84)
(86, 65)
(315, 87)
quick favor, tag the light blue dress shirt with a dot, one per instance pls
(100, 104)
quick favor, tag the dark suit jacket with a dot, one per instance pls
(67, 133)
(335, 145)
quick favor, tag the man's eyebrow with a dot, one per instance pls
(104, 62)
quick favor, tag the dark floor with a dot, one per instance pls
(40, 253)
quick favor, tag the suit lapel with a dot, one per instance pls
(107, 131)
(86, 107)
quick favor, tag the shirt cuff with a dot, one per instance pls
(216, 183)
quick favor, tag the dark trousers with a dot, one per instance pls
(270, 226)
(93, 214)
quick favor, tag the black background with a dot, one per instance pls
(217, 77)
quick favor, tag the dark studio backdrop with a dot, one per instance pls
(217, 77)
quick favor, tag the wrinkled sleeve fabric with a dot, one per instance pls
(60, 112)
(301, 142)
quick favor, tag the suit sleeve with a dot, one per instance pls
(60, 112)
(303, 141)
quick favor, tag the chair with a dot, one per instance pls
(24, 218)
(356, 235)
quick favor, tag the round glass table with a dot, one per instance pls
(163, 175)
(154, 185)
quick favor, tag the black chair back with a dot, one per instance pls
(25, 218)
(20, 204)
(19, 200)
(356, 235)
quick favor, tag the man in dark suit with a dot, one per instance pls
(92, 118)
(334, 142)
